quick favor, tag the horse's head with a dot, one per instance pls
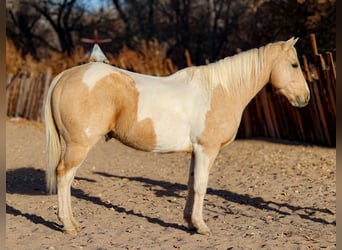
(287, 76)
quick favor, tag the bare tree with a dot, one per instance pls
(20, 26)
(138, 18)
(124, 17)
(33, 24)
(62, 18)
(208, 29)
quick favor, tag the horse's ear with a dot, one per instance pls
(294, 41)
(290, 43)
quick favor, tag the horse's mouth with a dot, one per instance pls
(300, 101)
(297, 101)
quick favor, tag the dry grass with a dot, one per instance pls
(16, 63)
(150, 58)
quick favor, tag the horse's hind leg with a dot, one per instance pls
(190, 197)
(66, 170)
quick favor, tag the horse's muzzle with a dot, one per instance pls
(301, 101)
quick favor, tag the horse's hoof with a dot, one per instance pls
(77, 227)
(204, 231)
(70, 231)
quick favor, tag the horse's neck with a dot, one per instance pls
(253, 80)
(255, 86)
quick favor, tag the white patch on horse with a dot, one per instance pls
(173, 103)
(95, 72)
(87, 132)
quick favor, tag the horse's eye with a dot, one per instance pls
(295, 65)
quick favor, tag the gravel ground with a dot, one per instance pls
(261, 195)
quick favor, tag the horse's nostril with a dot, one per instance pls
(302, 101)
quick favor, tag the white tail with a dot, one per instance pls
(53, 142)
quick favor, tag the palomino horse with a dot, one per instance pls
(197, 109)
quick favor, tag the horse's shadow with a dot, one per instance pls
(31, 181)
(36, 219)
(27, 181)
(79, 193)
(172, 189)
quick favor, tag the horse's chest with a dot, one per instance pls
(221, 120)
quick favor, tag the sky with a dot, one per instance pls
(96, 4)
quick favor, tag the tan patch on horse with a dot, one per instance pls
(124, 125)
(110, 106)
(222, 120)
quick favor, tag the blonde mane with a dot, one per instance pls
(232, 73)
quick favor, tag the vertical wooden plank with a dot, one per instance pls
(21, 97)
(272, 101)
(331, 98)
(298, 119)
(188, 58)
(245, 130)
(313, 44)
(267, 113)
(45, 87)
(306, 69)
(331, 64)
(314, 122)
(322, 117)
(261, 117)
(30, 96)
(282, 122)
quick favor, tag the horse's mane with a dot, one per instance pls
(234, 72)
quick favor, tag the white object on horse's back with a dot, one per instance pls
(97, 55)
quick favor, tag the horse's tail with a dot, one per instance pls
(53, 141)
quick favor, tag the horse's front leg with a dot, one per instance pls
(201, 162)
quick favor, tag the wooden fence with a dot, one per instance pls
(25, 94)
(268, 115)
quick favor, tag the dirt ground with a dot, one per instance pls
(261, 195)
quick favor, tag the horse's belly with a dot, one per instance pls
(149, 135)
(172, 138)
(171, 126)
